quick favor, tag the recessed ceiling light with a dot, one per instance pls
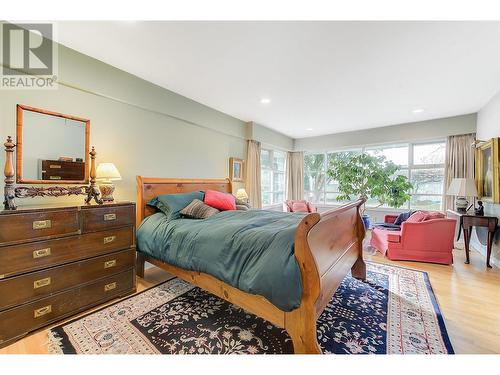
(309, 129)
(418, 110)
(265, 101)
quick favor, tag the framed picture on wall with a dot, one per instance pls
(236, 169)
(488, 171)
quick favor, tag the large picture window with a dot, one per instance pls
(422, 163)
(272, 176)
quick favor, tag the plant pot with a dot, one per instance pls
(366, 221)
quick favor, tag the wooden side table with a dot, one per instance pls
(468, 220)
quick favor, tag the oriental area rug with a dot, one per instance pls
(394, 312)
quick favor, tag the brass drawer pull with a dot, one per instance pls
(109, 217)
(41, 283)
(54, 166)
(55, 178)
(42, 311)
(109, 287)
(109, 239)
(41, 253)
(110, 263)
(42, 224)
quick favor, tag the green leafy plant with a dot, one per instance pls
(367, 176)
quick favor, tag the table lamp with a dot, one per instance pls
(242, 195)
(462, 188)
(105, 174)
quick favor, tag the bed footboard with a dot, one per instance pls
(327, 247)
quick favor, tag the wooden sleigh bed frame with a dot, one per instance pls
(327, 247)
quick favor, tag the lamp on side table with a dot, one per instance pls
(462, 188)
(106, 173)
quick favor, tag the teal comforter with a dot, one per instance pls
(250, 250)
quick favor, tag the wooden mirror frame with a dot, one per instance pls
(19, 146)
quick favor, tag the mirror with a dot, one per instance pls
(52, 148)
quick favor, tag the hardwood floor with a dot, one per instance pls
(468, 296)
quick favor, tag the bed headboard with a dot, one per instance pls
(150, 187)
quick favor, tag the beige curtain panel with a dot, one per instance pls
(459, 163)
(295, 175)
(252, 181)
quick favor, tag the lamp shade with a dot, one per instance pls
(462, 187)
(107, 172)
(241, 194)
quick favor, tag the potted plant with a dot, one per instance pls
(366, 176)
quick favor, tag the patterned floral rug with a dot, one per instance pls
(394, 312)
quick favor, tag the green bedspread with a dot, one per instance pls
(250, 250)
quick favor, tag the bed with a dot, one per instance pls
(326, 247)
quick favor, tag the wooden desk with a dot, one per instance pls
(468, 220)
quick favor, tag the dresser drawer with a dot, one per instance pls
(18, 259)
(34, 285)
(38, 225)
(107, 217)
(20, 320)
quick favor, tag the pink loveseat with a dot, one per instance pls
(429, 240)
(299, 206)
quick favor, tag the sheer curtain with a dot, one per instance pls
(295, 175)
(252, 183)
(459, 163)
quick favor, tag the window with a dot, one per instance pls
(427, 175)
(314, 177)
(272, 176)
(318, 187)
(398, 154)
(422, 163)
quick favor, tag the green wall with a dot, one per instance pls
(142, 128)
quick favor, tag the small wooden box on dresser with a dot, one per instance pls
(58, 261)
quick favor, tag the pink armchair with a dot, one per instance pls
(424, 241)
(299, 206)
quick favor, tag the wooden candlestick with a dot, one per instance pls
(9, 189)
(93, 190)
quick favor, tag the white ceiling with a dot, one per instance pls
(326, 76)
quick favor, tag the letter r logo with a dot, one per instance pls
(27, 48)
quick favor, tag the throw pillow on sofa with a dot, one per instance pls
(299, 207)
(417, 217)
(434, 215)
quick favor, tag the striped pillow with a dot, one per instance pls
(198, 210)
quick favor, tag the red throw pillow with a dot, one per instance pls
(433, 215)
(417, 217)
(299, 207)
(221, 201)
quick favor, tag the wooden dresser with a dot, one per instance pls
(55, 262)
(61, 170)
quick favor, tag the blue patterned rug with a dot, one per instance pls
(394, 312)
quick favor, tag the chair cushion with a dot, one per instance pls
(219, 200)
(311, 207)
(299, 207)
(394, 237)
(417, 217)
